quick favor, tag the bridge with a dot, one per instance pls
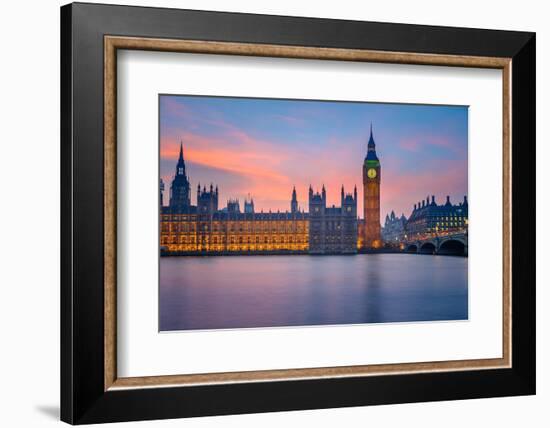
(453, 243)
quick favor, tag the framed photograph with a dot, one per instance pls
(265, 213)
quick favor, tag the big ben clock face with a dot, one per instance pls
(371, 173)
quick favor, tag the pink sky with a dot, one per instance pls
(267, 163)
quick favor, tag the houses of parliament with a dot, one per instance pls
(205, 228)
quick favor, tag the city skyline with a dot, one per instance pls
(263, 148)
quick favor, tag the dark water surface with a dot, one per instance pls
(273, 291)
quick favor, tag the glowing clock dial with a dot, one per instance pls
(371, 173)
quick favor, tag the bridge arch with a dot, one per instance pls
(427, 248)
(452, 246)
(411, 248)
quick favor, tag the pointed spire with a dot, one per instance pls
(180, 167)
(294, 201)
(371, 148)
(371, 138)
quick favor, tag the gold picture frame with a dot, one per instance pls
(114, 43)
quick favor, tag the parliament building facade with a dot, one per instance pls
(205, 228)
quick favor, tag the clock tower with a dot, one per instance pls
(371, 197)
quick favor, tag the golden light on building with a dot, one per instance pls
(243, 233)
(377, 243)
(371, 196)
(204, 228)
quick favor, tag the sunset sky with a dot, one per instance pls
(264, 147)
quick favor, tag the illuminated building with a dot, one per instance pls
(371, 197)
(429, 218)
(395, 229)
(234, 232)
(206, 229)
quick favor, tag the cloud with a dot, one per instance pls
(268, 169)
(245, 159)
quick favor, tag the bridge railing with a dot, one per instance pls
(430, 236)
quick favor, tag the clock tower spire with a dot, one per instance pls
(371, 196)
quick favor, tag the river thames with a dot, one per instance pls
(276, 291)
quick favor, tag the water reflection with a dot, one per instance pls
(274, 291)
